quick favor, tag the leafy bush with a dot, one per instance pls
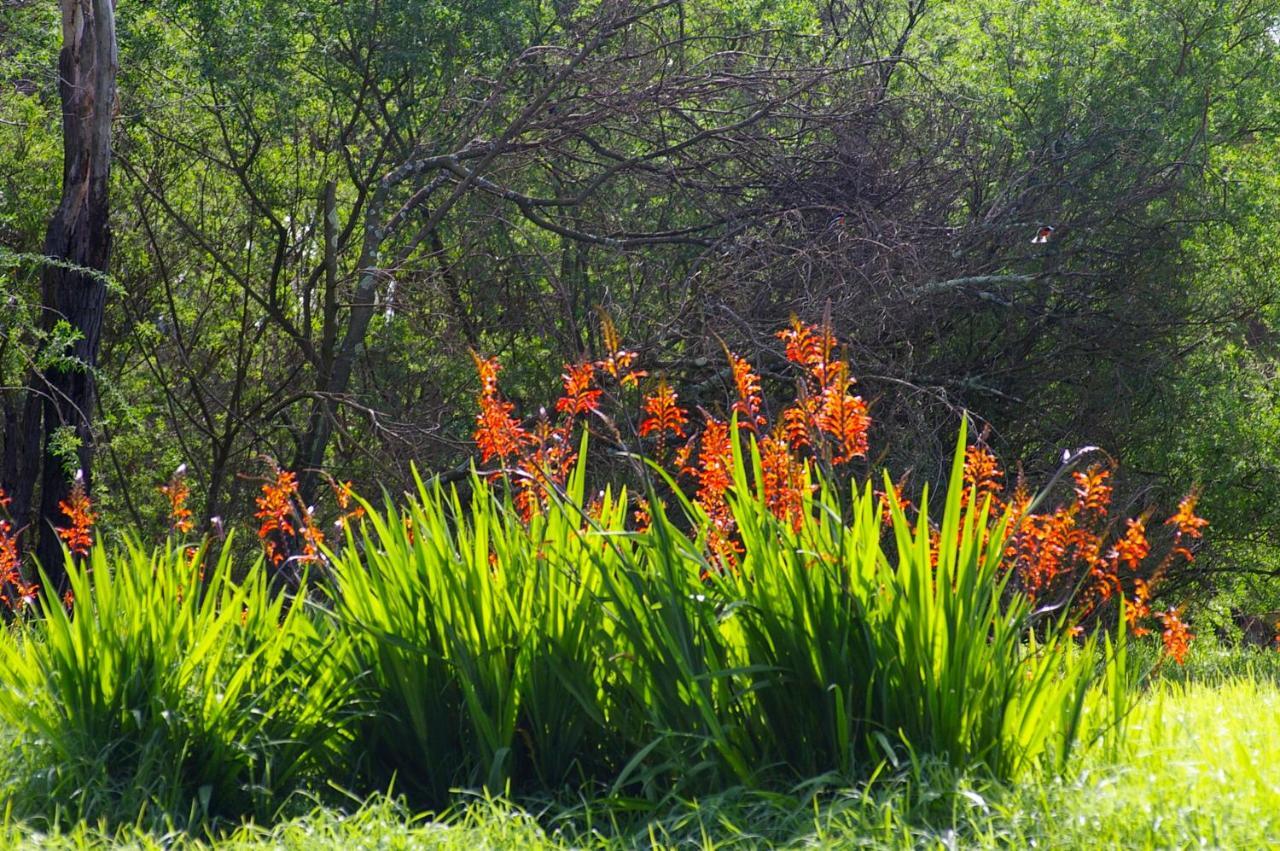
(482, 643)
(570, 648)
(156, 688)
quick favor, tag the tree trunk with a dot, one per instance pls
(78, 235)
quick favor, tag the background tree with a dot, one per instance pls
(56, 421)
(321, 207)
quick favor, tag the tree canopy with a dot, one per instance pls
(318, 209)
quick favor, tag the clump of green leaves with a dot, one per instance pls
(160, 685)
(572, 648)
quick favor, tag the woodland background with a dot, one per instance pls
(318, 208)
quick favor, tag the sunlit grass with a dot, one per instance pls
(1200, 768)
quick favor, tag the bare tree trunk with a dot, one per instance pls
(79, 235)
(21, 456)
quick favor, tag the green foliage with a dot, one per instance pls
(161, 691)
(481, 644)
(922, 647)
(1199, 768)
(527, 657)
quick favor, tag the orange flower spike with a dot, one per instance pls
(580, 396)
(809, 346)
(1133, 548)
(275, 509)
(982, 471)
(844, 417)
(715, 459)
(749, 400)
(78, 535)
(1185, 519)
(798, 422)
(497, 431)
(723, 548)
(27, 593)
(609, 331)
(682, 457)
(1176, 637)
(801, 343)
(488, 369)
(664, 415)
(343, 495)
(617, 363)
(643, 515)
(1039, 549)
(618, 366)
(783, 480)
(178, 492)
(1093, 494)
(10, 562)
(715, 477)
(312, 537)
(1139, 609)
(894, 497)
(1020, 503)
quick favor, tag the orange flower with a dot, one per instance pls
(827, 403)
(343, 495)
(1139, 610)
(982, 473)
(784, 482)
(1039, 549)
(715, 459)
(808, 345)
(680, 460)
(798, 422)
(488, 369)
(664, 414)
(497, 431)
(1176, 636)
(1133, 548)
(178, 492)
(275, 510)
(77, 508)
(312, 537)
(10, 558)
(580, 397)
(894, 496)
(715, 476)
(1185, 518)
(1187, 525)
(844, 417)
(749, 401)
(642, 515)
(1093, 494)
(10, 561)
(543, 469)
(26, 594)
(617, 363)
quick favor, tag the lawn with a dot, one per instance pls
(1199, 766)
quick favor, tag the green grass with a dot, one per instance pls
(1200, 767)
(170, 692)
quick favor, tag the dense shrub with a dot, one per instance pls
(160, 685)
(573, 649)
